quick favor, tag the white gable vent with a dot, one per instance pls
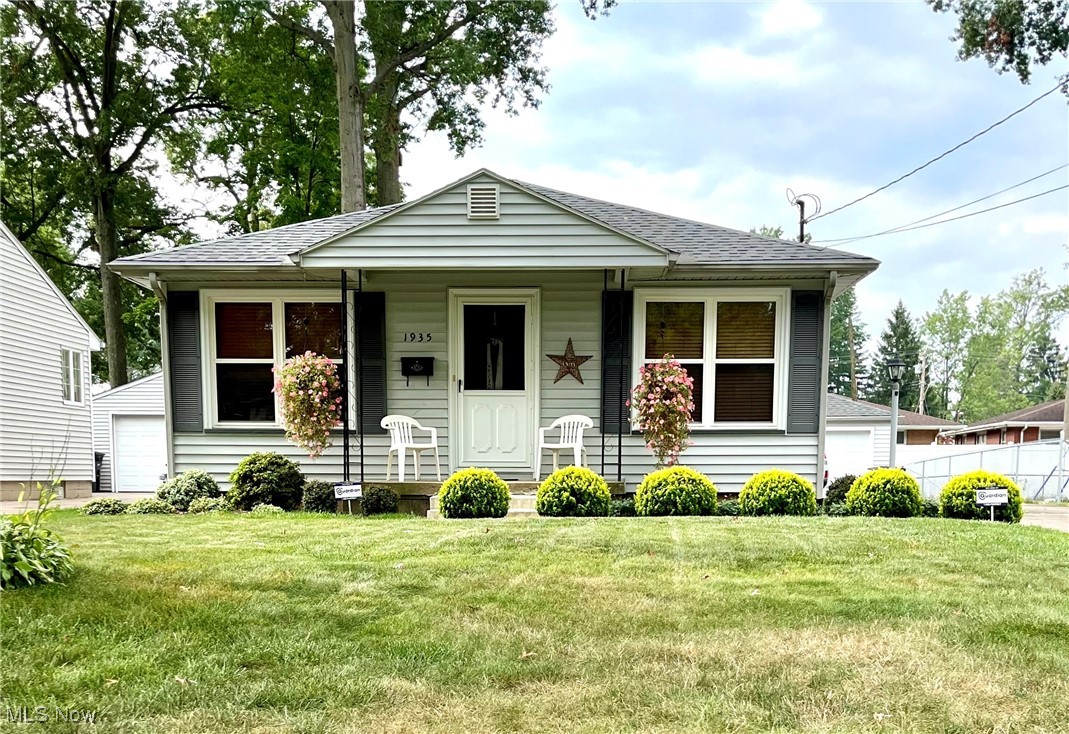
(484, 201)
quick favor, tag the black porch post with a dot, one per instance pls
(624, 381)
(360, 372)
(604, 287)
(345, 374)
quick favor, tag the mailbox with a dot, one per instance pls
(417, 367)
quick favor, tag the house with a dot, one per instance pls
(859, 433)
(45, 412)
(490, 283)
(1038, 423)
(128, 430)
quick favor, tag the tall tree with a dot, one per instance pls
(946, 331)
(847, 370)
(104, 83)
(899, 339)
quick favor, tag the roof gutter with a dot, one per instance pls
(154, 284)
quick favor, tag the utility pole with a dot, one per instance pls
(922, 387)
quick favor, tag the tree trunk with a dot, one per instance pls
(110, 285)
(350, 104)
(385, 25)
(386, 141)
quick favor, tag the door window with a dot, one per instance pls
(495, 343)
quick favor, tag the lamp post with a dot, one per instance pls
(895, 368)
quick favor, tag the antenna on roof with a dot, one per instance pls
(799, 201)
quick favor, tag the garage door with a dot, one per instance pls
(849, 452)
(140, 452)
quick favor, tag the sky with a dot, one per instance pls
(712, 110)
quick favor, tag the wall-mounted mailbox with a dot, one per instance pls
(417, 367)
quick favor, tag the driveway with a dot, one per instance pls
(11, 507)
(1055, 517)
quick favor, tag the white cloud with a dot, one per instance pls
(788, 18)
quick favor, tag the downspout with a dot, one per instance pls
(604, 288)
(346, 365)
(165, 363)
(825, 358)
(624, 382)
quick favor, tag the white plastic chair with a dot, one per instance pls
(401, 442)
(571, 439)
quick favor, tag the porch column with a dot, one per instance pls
(344, 326)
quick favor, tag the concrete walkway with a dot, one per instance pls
(11, 507)
(1055, 517)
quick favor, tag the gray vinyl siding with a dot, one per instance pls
(530, 233)
(570, 308)
(39, 433)
(881, 445)
(143, 397)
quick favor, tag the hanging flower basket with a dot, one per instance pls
(663, 404)
(309, 392)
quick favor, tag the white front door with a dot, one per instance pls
(140, 460)
(494, 360)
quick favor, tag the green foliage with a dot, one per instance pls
(318, 496)
(958, 498)
(835, 509)
(208, 504)
(777, 492)
(379, 499)
(104, 506)
(837, 489)
(675, 490)
(573, 491)
(929, 508)
(190, 485)
(728, 508)
(900, 339)
(151, 506)
(31, 554)
(885, 493)
(848, 372)
(474, 493)
(265, 509)
(622, 506)
(266, 478)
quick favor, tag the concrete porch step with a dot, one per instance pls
(520, 505)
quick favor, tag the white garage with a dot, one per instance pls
(128, 429)
(858, 436)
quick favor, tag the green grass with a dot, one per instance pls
(299, 623)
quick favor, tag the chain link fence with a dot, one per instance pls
(1039, 468)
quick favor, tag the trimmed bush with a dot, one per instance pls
(379, 499)
(151, 506)
(958, 498)
(474, 493)
(622, 507)
(885, 493)
(836, 491)
(104, 506)
(265, 509)
(208, 504)
(30, 553)
(929, 508)
(573, 491)
(777, 492)
(192, 484)
(676, 490)
(266, 479)
(318, 496)
(835, 509)
(728, 508)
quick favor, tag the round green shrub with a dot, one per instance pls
(777, 492)
(836, 491)
(265, 509)
(474, 493)
(105, 506)
(379, 499)
(318, 496)
(885, 493)
(151, 506)
(189, 485)
(266, 478)
(958, 498)
(573, 491)
(208, 504)
(622, 507)
(676, 490)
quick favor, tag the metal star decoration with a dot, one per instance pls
(569, 363)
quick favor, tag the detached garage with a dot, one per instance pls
(128, 429)
(858, 436)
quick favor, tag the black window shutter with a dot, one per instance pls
(807, 344)
(616, 315)
(371, 347)
(183, 340)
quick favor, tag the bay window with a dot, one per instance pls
(732, 343)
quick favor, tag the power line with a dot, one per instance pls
(954, 219)
(962, 144)
(950, 211)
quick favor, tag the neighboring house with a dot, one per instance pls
(1038, 423)
(128, 430)
(859, 434)
(45, 413)
(489, 277)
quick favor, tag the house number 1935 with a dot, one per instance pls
(418, 336)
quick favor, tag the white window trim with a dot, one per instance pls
(710, 297)
(277, 298)
(67, 359)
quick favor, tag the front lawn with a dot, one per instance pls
(227, 623)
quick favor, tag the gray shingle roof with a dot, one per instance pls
(840, 406)
(1051, 411)
(696, 243)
